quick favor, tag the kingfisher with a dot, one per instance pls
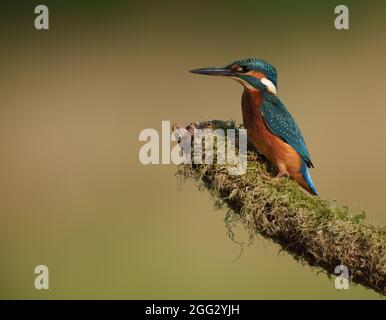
(271, 129)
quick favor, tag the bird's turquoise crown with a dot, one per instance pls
(259, 65)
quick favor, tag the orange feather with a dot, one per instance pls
(279, 153)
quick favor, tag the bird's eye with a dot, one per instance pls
(244, 68)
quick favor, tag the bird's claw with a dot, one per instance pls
(275, 178)
(267, 177)
(281, 175)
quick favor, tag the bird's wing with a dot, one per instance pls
(281, 123)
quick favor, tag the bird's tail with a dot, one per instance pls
(306, 176)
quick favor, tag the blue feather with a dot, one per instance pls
(306, 175)
(282, 124)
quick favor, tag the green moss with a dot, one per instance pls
(311, 229)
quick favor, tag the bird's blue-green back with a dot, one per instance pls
(283, 125)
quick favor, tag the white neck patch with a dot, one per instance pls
(270, 86)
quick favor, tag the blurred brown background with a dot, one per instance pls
(73, 195)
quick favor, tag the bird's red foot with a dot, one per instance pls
(267, 176)
(277, 177)
(281, 175)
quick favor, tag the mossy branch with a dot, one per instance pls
(311, 229)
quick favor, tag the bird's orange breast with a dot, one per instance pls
(281, 154)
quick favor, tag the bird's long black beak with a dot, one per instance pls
(213, 71)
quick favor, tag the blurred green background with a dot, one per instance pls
(73, 195)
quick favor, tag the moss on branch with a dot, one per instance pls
(311, 229)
